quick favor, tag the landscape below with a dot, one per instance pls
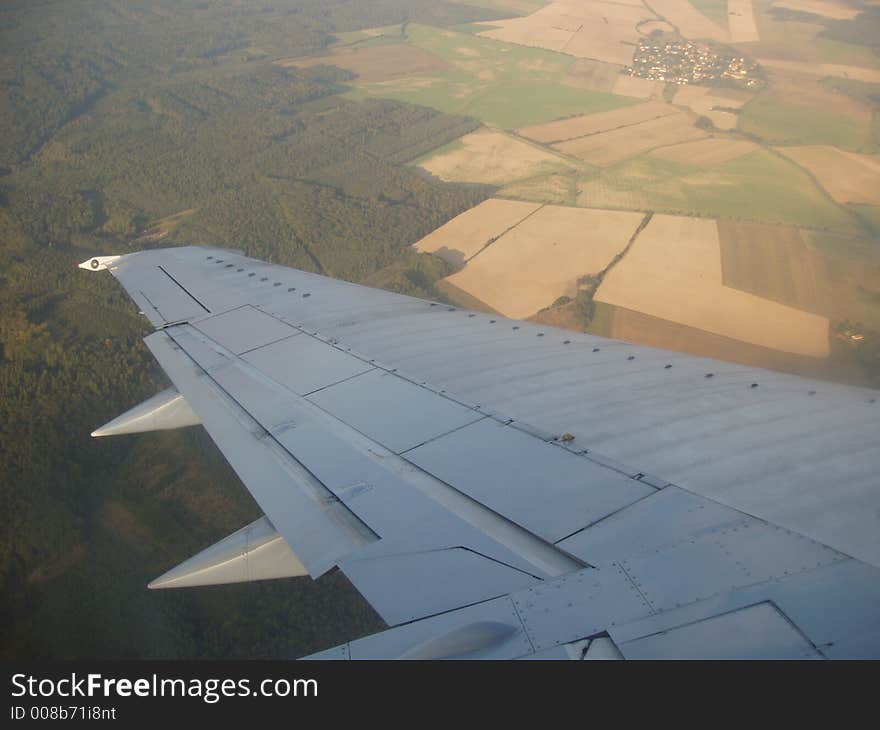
(498, 154)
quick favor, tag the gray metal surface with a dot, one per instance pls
(578, 606)
(394, 412)
(160, 298)
(164, 411)
(837, 607)
(245, 328)
(386, 495)
(549, 490)
(255, 552)
(661, 519)
(305, 364)
(755, 632)
(462, 576)
(494, 627)
(750, 452)
(319, 530)
(717, 561)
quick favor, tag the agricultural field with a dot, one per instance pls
(556, 188)
(803, 40)
(790, 119)
(719, 105)
(821, 70)
(631, 326)
(759, 186)
(616, 145)
(674, 271)
(494, 158)
(832, 276)
(826, 8)
(848, 177)
(715, 10)
(741, 22)
(603, 31)
(790, 165)
(504, 85)
(690, 22)
(706, 152)
(627, 85)
(572, 128)
(543, 257)
(600, 76)
(467, 234)
(375, 63)
(520, 7)
(870, 214)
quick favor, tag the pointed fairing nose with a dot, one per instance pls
(164, 411)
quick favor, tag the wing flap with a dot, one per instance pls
(436, 581)
(408, 508)
(319, 528)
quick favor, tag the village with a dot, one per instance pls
(682, 62)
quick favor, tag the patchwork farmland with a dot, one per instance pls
(674, 272)
(765, 200)
(520, 269)
(487, 156)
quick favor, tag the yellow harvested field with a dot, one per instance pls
(706, 152)
(601, 76)
(592, 75)
(567, 129)
(611, 147)
(557, 188)
(466, 234)
(857, 73)
(494, 158)
(826, 8)
(614, 45)
(524, 33)
(673, 271)
(376, 63)
(741, 19)
(712, 102)
(691, 22)
(542, 258)
(848, 177)
(655, 332)
(604, 31)
(640, 88)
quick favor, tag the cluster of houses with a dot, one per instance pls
(686, 62)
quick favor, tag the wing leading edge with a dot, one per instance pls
(503, 490)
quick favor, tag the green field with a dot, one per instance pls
(557, 188)
(502, 84)
(602, 321)
(759, 186)
(513, 7)
(848, 247)
(870, 215)
(778, 122)
(713, 9)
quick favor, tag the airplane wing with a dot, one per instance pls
(503, 489)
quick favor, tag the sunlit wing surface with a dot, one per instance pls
(501, 489)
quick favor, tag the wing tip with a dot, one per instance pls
(98, 263)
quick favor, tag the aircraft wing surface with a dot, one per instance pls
(503, 489)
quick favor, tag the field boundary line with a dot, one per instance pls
(674, 111)
(504, 232)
